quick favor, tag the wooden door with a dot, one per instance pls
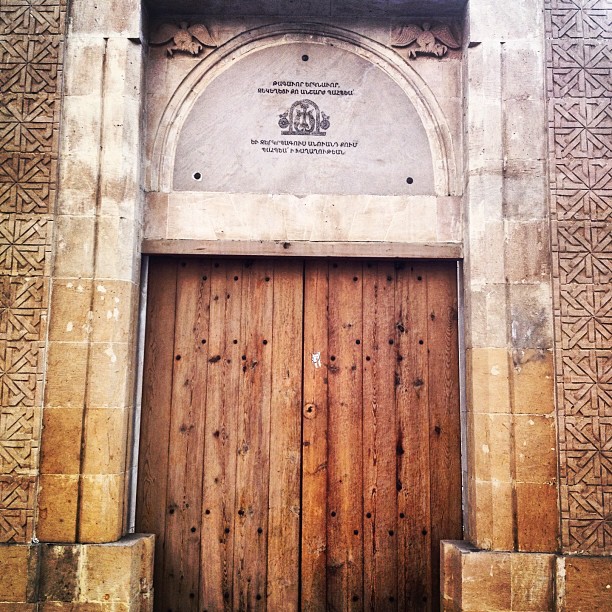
(300, 433)
(381, 434)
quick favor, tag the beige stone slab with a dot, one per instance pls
(532, 582)
(449, 219)
(525, 134)
(525, 189)
(537, 519)
(15, 561)
(535, 442)
(523, 74)
(486, 324)
(66, 374)
(528, 258)
(83, 65)
(101, 504)
(105, 438)
(533, 381)
(317, 218)
(531, 315)
(497, 20)
(107, 19)
(74, 243)
(329, 138)
(71, 302)
(61, 442)
(155, 224)
(109, 375)
(57, 508)
(114, 303)
(117, 255)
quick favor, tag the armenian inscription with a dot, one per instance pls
(326, 122)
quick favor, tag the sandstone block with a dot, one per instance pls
(533, 381)
(61, 440)
(105, 440)
(101, 516)
(57, 508)
(537, 517)
(66, 373)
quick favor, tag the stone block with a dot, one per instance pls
(108, 19)
(533, 381)
(492, 515)
(497, 21)
(109, 375)
(535, 439)
(59, 573)
(74, 256)
(101, 516)
(537, 517)
(118, 249)
(61, 441)
(113, 304)
(532, 264)
(71, 302)
(15, 561)
(523, 74)
(531, 316)
(525, 189)
(66, 374)
(486, 254)
(118, 572)
(491, 436)
(486, 324)
(156, 216)
(524, 136)
(488, 375)
(105, 440)
(120, 190)
(84, 64)
(58, 497)
(533, 580)
(588, 584)
(486, 581)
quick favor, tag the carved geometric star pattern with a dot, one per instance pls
(31, 56)
(579, 83)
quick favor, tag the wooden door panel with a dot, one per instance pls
(382, 477)
(225, 504)
(300, 441)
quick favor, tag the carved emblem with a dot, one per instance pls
(424, 40)
(304, 118)
(183, 38)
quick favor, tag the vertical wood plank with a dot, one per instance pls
(380, 438)
(444, 414)
(252, 472)
(184, 494)
(413, 439)
(285, 438)
(156, 404)
(314, 445)
(222, 404)
(345, 440)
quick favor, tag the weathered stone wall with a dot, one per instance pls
(579, 60)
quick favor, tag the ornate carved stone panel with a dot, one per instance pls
(579, 61)
(31, 44)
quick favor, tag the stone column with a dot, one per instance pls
(94, 293)
(512, 461)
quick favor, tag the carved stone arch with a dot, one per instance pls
(424, 101)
